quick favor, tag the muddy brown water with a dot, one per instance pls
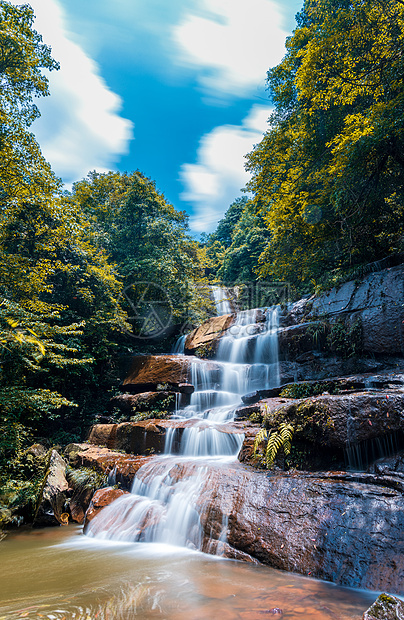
(59, 574)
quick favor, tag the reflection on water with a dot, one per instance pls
(58, 574)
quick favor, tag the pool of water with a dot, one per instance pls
(59, 574)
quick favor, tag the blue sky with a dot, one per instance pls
(175, 88)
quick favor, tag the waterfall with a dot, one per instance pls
(221, 299)
(164, 505)
(179, 346)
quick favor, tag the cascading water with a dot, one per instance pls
(164, 505)
(221, 299)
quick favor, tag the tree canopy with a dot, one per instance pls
(328, 175)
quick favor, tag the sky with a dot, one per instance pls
(174, 88)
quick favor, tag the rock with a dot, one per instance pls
(102, 498)
(386, 607)
(52, 505)
(208, 334)
(79, 504)
(341, 421)
(243, 413)
(186, 388)
(149, 371)
(122, 467)
(300, 339)
(326, 525)
(145, 401)
(146, 436)
(379, 302)
(36, 450)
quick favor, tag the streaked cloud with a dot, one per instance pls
(213, 183)
(232, 43)
(80, 128)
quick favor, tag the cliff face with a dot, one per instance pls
(354, 328)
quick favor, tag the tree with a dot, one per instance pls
(148, 240)
(328, 175)
(237, 243)
(23, 56)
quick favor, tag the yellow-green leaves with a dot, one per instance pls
(324, 175)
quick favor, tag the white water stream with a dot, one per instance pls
(163, 506)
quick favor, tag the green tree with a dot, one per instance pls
(328, 175)
(23, 56)
(147, 239)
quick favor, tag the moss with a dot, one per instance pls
(85, 478)
(304, 390)
(344, 339)
(206, 351)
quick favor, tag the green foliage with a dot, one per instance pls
(275, 440)
(328, 176)
(303, 390)
(85, 478)
(23, 56)
(346, 339)
(22, 476)
(234, 248)
(148, 240)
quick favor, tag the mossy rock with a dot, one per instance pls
(386, 607)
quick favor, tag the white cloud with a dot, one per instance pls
(80, 128)
(213, 183)
(233, 43)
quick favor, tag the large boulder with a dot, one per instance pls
(341, 421)
(149, 436)
(378, 301)
(122, 468)
(101, 499)
(150, 372)
(203, 340)
(336, 527)
(145, 401)
(51, 508)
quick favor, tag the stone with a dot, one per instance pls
(145, 401)
(122, 467)
(333, 526)
(52, 505)
(101, 499)
(149, 371)
(379, 302)
(37, 450)
(208, 334)
(144, 437)
(385, 607)
(340, 421)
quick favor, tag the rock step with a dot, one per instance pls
(148, 436)
(341, 527)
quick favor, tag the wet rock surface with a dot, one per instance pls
(385, 607)
(145, 401)
(148, 372)
(338, 526)
(105, 461)
(328, 526)
(149, 436)
(341, 421)
(207, 334)
(101, 499)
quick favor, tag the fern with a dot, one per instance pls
(278, 439)
(259, 439)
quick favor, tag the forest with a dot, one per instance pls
(78, 268)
